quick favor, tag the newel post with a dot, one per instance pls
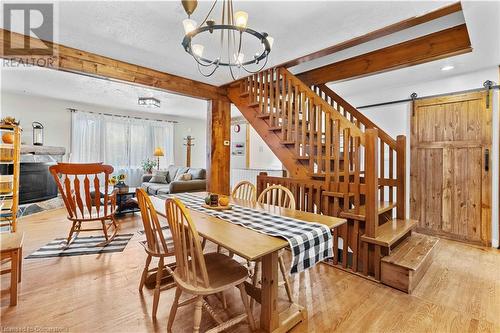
(401, 177)
(371, 182)
(218, 146)
(260, 183)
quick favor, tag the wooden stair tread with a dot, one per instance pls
(263, 115)
(341, 173)
(337, 194)
(383, 206)
(391, 232)
(412, 252)
(244, 94)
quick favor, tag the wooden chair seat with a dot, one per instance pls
(222, 271)
(168, 240)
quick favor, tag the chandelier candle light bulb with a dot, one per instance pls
(189, 25)
(198, 50)
(241, 19)
(231, 24)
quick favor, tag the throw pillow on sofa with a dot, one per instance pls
(198, 173)
(185, 176)
(180, 172)
(159, 177)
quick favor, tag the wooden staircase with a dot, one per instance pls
(339, 163)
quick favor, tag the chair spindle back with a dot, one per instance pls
(277, 195)
(156, 242)
(190, 262)
(244, 190)
(76, 182)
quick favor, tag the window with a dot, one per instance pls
(122, 142)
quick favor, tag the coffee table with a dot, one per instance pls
(123, 203)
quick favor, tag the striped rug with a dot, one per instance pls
(81, 246)
(142, 232)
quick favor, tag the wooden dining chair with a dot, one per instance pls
(244, 190)
(277, 195)
(158, 244)
(80, 187)
(201, 274)
(280, 196)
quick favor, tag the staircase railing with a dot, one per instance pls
(391, 154)
(346, 163)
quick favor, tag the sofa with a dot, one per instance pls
(172, 182)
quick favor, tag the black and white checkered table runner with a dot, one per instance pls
(310, 242)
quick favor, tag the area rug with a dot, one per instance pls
(142, 232)
(81, 246)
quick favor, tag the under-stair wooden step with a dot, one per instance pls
(406, 265)
(323, 175)
(391, 232)
(306, 158)
(337, 194)
(245, 94)
(383, 206)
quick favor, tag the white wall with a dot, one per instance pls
(238, 161)
(55, 117)
(261, 156)
(395, 119)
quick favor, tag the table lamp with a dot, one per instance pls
(158, 152)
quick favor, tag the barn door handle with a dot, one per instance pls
(486, 159)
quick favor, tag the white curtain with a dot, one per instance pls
(122, 142)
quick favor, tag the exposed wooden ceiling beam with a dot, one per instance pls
(438, 45)
(78, 61)
(405, 24)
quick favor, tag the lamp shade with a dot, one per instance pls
(158, 152)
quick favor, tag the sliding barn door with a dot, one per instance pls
(450, 192)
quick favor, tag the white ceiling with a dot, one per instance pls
(149, 33)
(85, 89)
(483, 23)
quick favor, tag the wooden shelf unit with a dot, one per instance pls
(9, 202)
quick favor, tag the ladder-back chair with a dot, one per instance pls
(244, 190)
(158, 244)
(201, 274)
(280, 196)
(80, 187)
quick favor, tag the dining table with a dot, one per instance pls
(253, 246)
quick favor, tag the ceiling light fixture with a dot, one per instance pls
(232, 30)
(447, 68)
(149, 102)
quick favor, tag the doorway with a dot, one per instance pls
(450, 172)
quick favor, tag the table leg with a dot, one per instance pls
(269, 315)
(14, 276)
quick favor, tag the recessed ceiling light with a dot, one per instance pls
(447, 68)
(149, 102)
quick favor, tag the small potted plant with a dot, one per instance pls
(118, 181)
(148, 165)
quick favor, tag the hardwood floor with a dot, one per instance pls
(99, 293)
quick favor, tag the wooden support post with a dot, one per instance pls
(218, 146)
(371, 182)
(401, 177)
